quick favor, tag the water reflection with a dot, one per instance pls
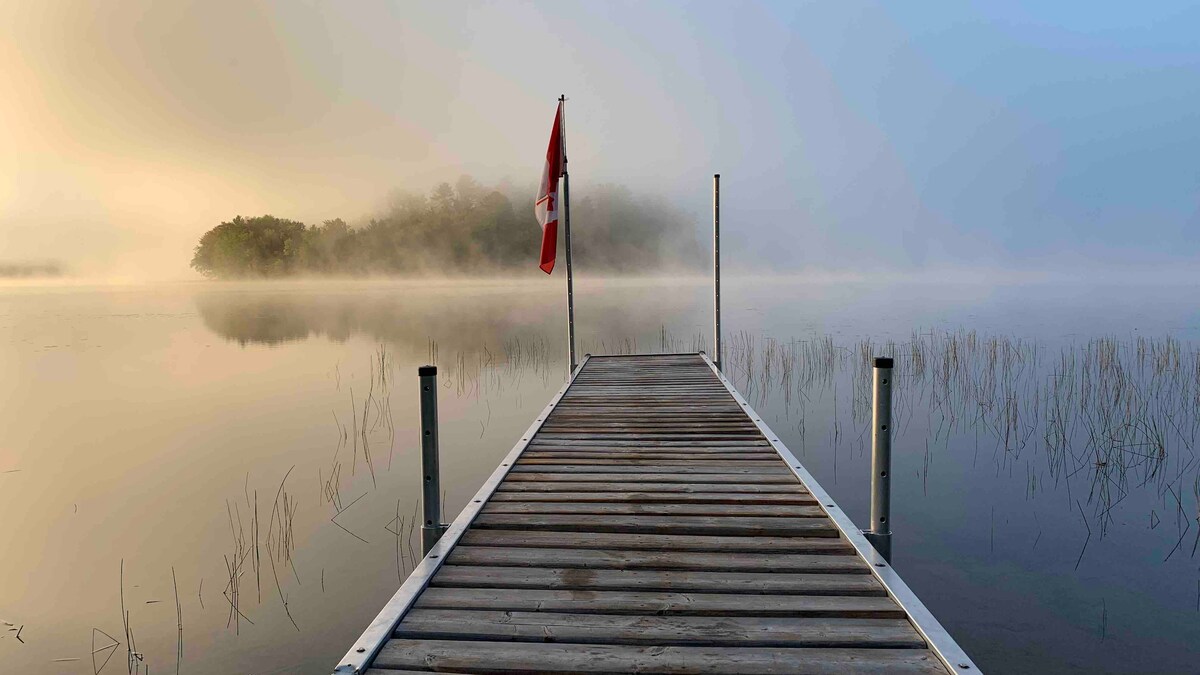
(463, 318)
(466, 321)
(1046, 487)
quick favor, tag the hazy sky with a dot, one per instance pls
(849, 135)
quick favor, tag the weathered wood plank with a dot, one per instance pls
(731, 476)
(645, 408)
(607, 424)
(598, 398)
(617, 443)
(657, 418)
(656, 497)
(508, 658)
(674, 395)
(739, 455)
(634, 461)
(648, 388)
(825, 541)
(618, 411)
(754, 583)
(660, 603)
(645, 438)
(711, 525)
(682, 449)
(652, 485)
(581, 454)
(658, 630)
(775, 468)
(661, 398)
(623, 422)
(654, 560)
(636, 509)
(714, 430)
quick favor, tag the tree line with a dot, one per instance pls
(49, 268)
(461, 229)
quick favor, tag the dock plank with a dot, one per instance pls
(468, 656)
(729, 476)
(733, 499)
(759, 583)
(660, 603)
(651, 485)
(725, 468)
(820, 541)
(658, 630)
(626, 509)
(653, 560)
(713, 525)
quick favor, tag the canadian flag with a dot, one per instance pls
(546, 206)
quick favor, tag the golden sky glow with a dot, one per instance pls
(847, 134)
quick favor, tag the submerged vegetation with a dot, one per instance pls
(460, 229)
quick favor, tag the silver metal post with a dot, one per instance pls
(566, 202)
(431, 489)
(880, 532)
(717, 353)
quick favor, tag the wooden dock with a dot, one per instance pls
(650, 522)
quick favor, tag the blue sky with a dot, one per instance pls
(958, 134)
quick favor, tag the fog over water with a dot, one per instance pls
(850, 135)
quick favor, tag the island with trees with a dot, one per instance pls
(462, 229)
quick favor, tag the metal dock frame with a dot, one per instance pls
(940, 644)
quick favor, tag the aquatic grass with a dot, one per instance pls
(178, 623)
(1118, 410)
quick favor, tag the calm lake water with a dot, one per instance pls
(237, 463)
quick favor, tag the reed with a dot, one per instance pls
(1120, 411)
(178, 623)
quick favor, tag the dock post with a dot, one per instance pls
(880, 531)
(431, 490)
(717, 353)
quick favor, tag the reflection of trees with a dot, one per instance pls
(458, 318)
(408, 318)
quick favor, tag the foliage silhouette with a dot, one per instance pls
(460, 229)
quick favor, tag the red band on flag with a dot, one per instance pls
(549, 246)
(546, 205)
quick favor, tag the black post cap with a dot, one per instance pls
(883, 362)
(427, 370)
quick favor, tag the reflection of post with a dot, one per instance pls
(880, 532)
(717, 356)
(431, 493)
(566, 204)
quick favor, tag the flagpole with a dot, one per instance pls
(566, 201)
(718, 356)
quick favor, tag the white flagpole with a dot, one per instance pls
(566, 201)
